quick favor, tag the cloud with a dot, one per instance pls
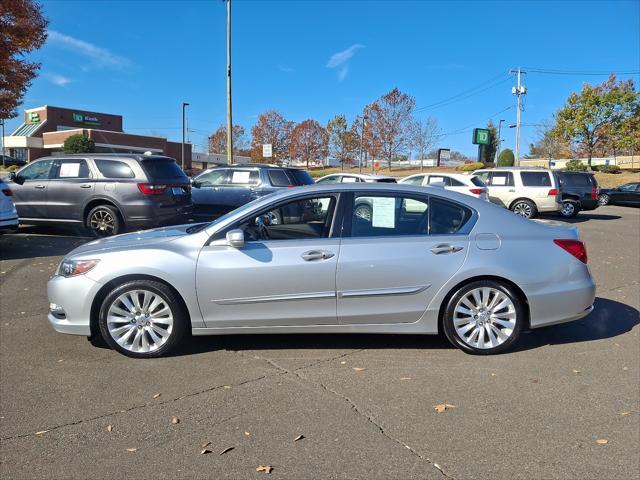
(58, 80)
(100, 57)
(285, 68)
(340, 60)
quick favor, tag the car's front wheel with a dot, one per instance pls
(484, 317)
(142, 319)
(569, 209)
(525, 208)
(603, 199)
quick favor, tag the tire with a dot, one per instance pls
(508, 320)
(524, 208)
(146, 336)
(603, 199)
(104, 220)
(363, 211)
(569, 209)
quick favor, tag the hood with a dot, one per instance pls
(142, 238)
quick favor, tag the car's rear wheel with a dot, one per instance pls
(363, 211)
(104, 220)
(484, 317)
(603, 199)
(569, 209)
(142, 319)
(525, 208)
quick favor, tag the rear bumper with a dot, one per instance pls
(158, 216)
(9, 223)
(561, 302)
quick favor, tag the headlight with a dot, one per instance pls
(71, 268)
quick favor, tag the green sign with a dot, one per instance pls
(34, 117)
(481, 136)
(86, 119)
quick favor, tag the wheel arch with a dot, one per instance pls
(516, 200)
(94, 202)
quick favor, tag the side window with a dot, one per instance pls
(629, 187)
(114, 169)
(331, 179)
(297, 220)
(348, 179)
(484, 176)
(455, 183)
(417, 180)
(446, 217)
(377, 216)
(244, 177)
(214, 177)
(39, 170)
(279, 178)
(67, 169)
(535, 179)
(501, 179)
(438, 179)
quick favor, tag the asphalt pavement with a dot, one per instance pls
(563, 404)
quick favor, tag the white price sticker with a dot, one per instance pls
(384, 212)
(69, 170)
(240, 177)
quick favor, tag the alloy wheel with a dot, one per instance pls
(140, 321)
(568, 209)
(102, 221)
(603, 200)
(484, 318)
(363, 212)
(523, 209)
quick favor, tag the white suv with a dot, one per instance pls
(525, 191)
(8, 214)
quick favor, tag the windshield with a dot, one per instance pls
(222, 218)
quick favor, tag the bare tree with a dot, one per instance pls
(549, 144)
(425, 135)
(343, 141)
(309, 142)
(274, 129)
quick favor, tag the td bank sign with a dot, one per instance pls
(86, 119)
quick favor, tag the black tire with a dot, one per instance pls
(104, 220)
(524, 208)
(173, 302)
(448, 319)
(569, 209)
(603, 199)
(363, 211)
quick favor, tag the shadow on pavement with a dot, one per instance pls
(32, 242)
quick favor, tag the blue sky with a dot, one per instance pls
(315, 59)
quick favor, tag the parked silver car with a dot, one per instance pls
(426, 260)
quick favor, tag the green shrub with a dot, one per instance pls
(13, 168)
(608, 169)
(506, 158)
(469, 167)
(576, 166)
(79, 144)
(595, 168)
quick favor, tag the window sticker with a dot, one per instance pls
(69, 170)
(240, 177)
(498, 180)
(436, 180)
(349, 179)
(384, 212)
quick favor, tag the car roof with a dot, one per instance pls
(364, 176)
(108, 156)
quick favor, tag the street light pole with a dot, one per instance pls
(2, 124)
(184, 126)
(229, 119)
(364, 120)
(499, 140)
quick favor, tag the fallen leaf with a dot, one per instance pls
(205, 445)
(343, 363)
(41, 432)
(535, 380)
(228, 449)
(358, 369)
(157, 395)
(577, 372)
(205, 451)
(264, 468)
(109, 428)
(60, 361)
(132, 450)
(440, 408)
(622, 414)
(494, 374)
(228, 387)
(405, 378)
(602, 441)
(175, 420)
(625, 368)
(299, 437)
(247, 433)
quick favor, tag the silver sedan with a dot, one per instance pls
(422, 261)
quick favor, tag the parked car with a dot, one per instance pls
(627, 194)
(449, 263)
(219, 190)
(355, 178)
(8, 213)
(525, 191)
(7, 161)
(106, 193)
(467, 184)
(579, 191)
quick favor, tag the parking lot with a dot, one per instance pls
(563, 403)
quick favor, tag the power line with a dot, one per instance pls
(549, 71)
(473, 125)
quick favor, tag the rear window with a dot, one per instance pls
(386, 180)
(163, 169)
(584, 180)
(279, 179)
(535, 179)
(114, 169)
(477, 181)
(446, 218)
(301, 177)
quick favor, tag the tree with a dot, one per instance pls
(23, 30)
(589, 118)
(425, 134)
(309, 142)
(549, 144)
(218, 141)
(488, 152)
(506, 158)
(79, 144)
(271, 128)
(344, 142)
(391, 123)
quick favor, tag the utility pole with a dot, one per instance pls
(229, 118)
(184, 130)
(364, 120)
(499, 141)
(2, 151)
(518, 91)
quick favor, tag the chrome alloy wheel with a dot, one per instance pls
(484, 318)
(568, 209)
(523, 209)
(140, 321)
(102, 221)
(363, 212)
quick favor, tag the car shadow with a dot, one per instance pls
(609, 319)
(582, 217)
(32, 242)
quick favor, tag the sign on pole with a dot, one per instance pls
(267, 151)
(444, 156)
(481, 136)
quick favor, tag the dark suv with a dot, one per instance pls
(107, 193)
(579, 191)
(222, 189)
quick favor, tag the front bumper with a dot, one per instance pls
(74, 297)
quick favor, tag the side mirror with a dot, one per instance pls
(17, 178)
(235, 238)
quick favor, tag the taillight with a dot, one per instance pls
(152, 188)
(594, 193)
(477, 191)
(7, 192)
(574, 247)
(553, 192)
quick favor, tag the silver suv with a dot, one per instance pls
(525, 191)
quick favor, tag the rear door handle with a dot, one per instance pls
(39, 187)
(512, 190)
(85, 185)
(445, 248)
(312, 255)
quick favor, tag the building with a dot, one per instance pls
(202, 161)
(45, 129)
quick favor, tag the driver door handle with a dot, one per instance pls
(40, 187)
(445, 248)
(312, 255)
(85, 185)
